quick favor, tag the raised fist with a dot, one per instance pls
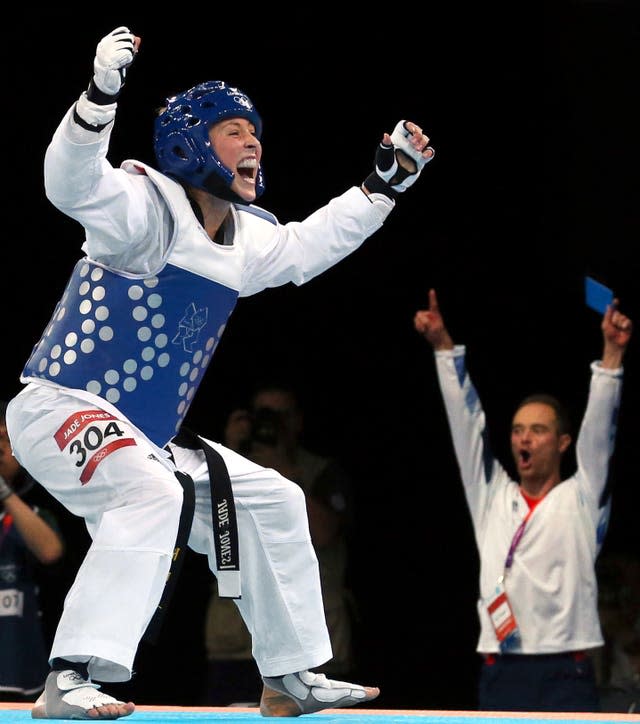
(399, 160)
(114, 54)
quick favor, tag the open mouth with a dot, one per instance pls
(525, 456)
(247, 169)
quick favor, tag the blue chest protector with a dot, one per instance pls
(142, 344)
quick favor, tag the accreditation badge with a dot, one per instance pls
(502, 618)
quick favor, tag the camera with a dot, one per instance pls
(267, 426)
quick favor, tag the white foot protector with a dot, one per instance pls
(67, 695)
(313, 692)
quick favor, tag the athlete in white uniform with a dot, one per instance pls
(167, 254)
(538, 538)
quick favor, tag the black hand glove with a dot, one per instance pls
(397, 166)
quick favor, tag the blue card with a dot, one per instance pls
(597, 296)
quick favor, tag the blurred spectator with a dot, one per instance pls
(618, 661)
(270, 434)
(29, 540)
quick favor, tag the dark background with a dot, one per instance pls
(533, 111)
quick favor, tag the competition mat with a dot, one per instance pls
(21, 713)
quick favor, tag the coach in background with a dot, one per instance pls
(537, 538)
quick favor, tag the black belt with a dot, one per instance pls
(225, 529)
(223, 510)
(177, 559)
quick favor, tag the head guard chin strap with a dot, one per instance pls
(181, 138)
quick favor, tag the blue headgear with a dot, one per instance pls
(181, 139)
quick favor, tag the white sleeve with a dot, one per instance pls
(124, 216)
(478, 467)
(300, 250)
(596, 438)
